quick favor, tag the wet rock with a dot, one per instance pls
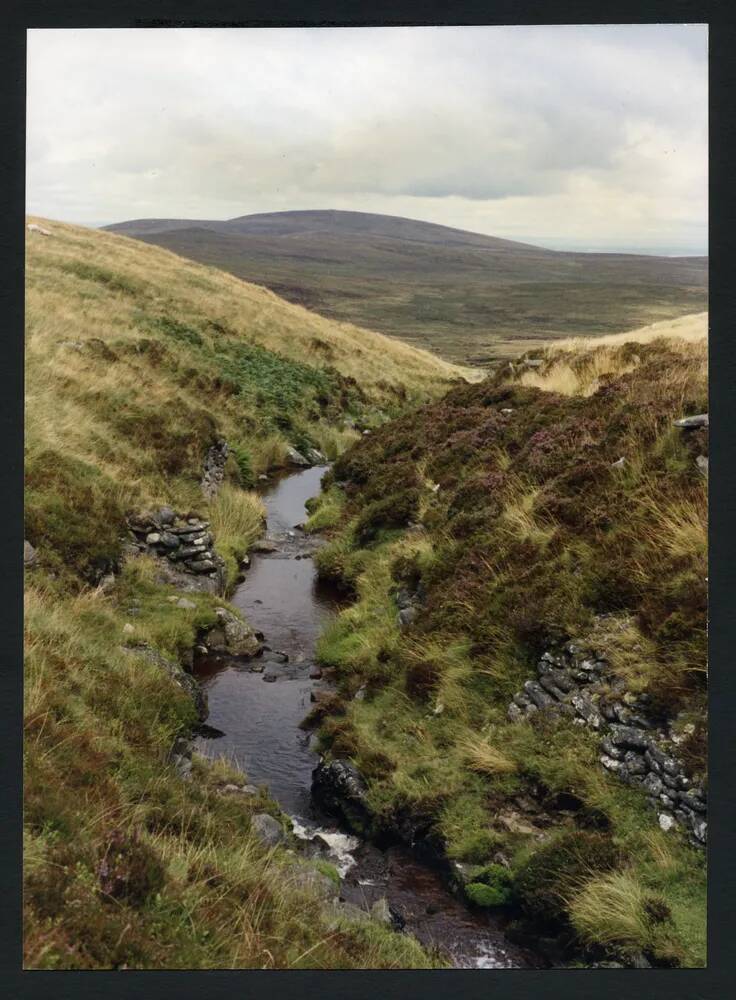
(315, 457)
(381, 911)
(239, 638)
(267, 829)
(271, 673)
(264, 545)
(315, 673)
(340, 788)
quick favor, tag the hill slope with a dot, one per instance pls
(467, 296)
(138, 363)
(528, 641)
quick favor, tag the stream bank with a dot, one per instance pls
(257, 706)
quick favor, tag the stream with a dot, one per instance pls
(260, 717)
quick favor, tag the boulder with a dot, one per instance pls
(29, 555)
(315, 457)
(406, 616)
(690, 423)
(340, 788)
(267, 829)
(295, 457)
(239, 638)
(186, 604)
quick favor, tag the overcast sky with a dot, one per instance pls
(573, 136)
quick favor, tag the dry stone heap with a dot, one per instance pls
(183, 540)
(639, 752)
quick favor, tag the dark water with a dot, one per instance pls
(260, 720)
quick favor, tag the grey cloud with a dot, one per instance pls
(458, 123)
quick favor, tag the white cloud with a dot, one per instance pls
(586, 133)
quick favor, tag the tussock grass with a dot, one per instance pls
(615, 909)
(483, 757)
(236, 518)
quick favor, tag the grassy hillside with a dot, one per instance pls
(550, 503)
(467, 296)
(136, 363)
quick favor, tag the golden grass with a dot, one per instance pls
(167, 281)
(691, 328)
(484, 758)
(575, 366)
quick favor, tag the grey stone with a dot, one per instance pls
(267, 829)
(315, 672)
(406, 616)
(154, 538)
(609, 763)
(666, 821)
(628, 738)
(380, 911)
(692, 801)
(653, 784)
(514, 713)
(611, 750)
(271, 673)
(295, 457)
(635, 763)
(586, 709)
(537, 695)
(201, 565)
(186, 604)
(698, 420)
(702, 463)
(315, 457)
(169, 540)
(166, 515)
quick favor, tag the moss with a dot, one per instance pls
(485, 895)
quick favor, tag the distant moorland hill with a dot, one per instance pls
(467, 296)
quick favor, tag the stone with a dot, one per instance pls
(154, 538)
(628, 738)
(263, 478)
(30, 556)
(267, 829)
(128, 629)
(201, 565)
(609, 763)
(169, 540)
(692, 801)
(689, 423)
(186, 604)
(340, 788)
(406, 617)
(702, 463)
(106, 583)
(586, 709)
(635, 763)
(514, 713)
(264, 545)
(315, 457)
(653, 784)
(666, 821)
(271, 673)
(233, 635)
(315, 881)
(315, 673)
(295, 457)
(213, 470)
(619, 464)
(610, 749)
(381, 911)
(700, 829)
(537, 695)
(166, 515)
